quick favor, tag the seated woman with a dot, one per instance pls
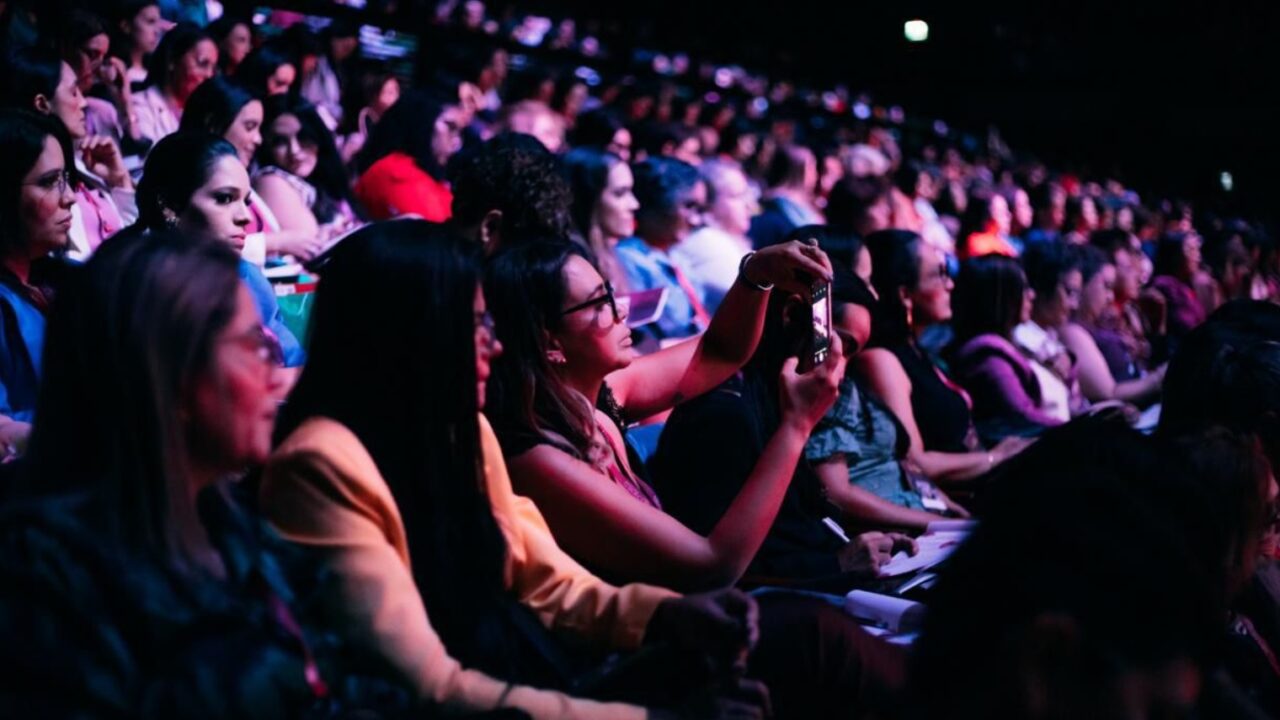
(604, 207)
(564, 389)
(267, 72)
(223, 108)
(36, 79)
(1085, 336)
(992, 298)
(185, 58)
(35, 224)
(986, 226)
(713, 252)
(300, 175)
(1127, 340)
(1053, 274)
(391, 473)
(402, 163)
(197, 184)
(1177, 272)
(914, 289)
(126, 564)
(857, 449)
(672, 201)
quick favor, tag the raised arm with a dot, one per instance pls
(604, 527)
(658, 382)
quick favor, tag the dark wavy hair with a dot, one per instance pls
(176, 167)
(529, 402)
(413, 405)
(145, 311)
(407, 127)
(177, 41)
(330, 176)
(22, 135)
(895, 265)
(259, 65)
(516, 175)
(28, 72)
(988, 297)
(214, 106)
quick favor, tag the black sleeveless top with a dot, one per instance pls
(942, 413)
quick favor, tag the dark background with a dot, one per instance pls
(1165, 96)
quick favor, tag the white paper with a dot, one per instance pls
(933, 549)
(893, 614)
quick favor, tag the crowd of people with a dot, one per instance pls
(556, 437)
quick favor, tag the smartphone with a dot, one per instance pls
(821, 308)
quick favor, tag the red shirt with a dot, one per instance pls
(395, 185)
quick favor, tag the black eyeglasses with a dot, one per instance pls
(607, 297)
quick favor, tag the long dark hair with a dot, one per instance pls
(587, 170)
(214, 106)
(330, 177)
(988, 297)
(528, 401)
(259, 65)
(407, 127)
(132, 329)
(29, 72)
(177, 41)
(22, 135)
(403, 379)
(895, 264)
(176, 167)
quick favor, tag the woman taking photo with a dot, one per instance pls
(390, 471)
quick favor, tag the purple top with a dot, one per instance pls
(1185, 310)
(1001, 381)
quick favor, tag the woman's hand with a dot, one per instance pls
(103, 158)
(722, 625)
(1009, 447)
(805, 398)
(299, 246)
(868, 552)
(791, 266)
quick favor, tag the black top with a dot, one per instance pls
(708, 448)
(92, 631)
(942, 414)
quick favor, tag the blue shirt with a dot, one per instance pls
(646, 268)
(264, 296)
(22, 330)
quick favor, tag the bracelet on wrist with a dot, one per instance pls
(742, 274)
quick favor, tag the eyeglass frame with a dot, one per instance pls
(608, 297)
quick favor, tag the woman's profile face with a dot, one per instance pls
(232, 404)
(616, 208)
(237, 43)
(45, 201)
(594, 340)
(931, 298)
(194, 67)
(245, 131)
(219, 208)
(68, 103)
(1099, 293)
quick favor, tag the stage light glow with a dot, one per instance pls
(916, 30)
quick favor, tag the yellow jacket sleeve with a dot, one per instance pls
(562, 593)
(321, 489)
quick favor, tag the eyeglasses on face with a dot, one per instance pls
(607, 297)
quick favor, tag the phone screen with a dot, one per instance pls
(821, 323)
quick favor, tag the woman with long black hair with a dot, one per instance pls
(389, 470)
